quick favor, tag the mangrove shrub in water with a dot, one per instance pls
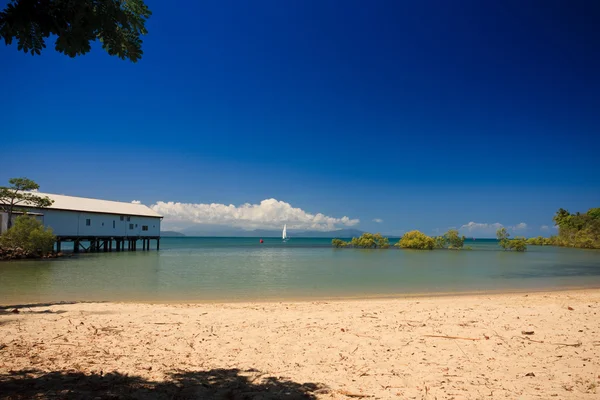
(28, 235)
(339, 243)
(365, 241)
(519, 243)
(540, 241)
(416, 240)
(451, 240)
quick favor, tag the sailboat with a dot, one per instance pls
(284, 233)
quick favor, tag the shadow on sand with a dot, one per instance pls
(29, 308)
(215, 384)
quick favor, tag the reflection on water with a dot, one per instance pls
(193, 269)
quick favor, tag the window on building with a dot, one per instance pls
(128, 219)
(130, 226)
(114, 224)
(136, 225)
(103, 224)
(122, 218)
(144, 227)
(88, 222)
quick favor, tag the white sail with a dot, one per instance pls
(284, 234)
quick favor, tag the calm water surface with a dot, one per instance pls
(230, 269)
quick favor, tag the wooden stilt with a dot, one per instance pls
(76, 246)
(58, 246)
(158, 244)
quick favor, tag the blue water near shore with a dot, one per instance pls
(232, 269)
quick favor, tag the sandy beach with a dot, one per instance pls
(542, 345)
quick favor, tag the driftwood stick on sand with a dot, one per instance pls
(451, 337)
(578, 344)
(355, 395)
(367, 336)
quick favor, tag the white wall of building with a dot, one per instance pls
(79, 223)
(4, 220)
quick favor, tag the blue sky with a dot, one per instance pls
(426, 115)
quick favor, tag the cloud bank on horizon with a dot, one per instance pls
(479, 228)
(270, 213)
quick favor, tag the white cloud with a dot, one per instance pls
(136, 202)
(545, 228)
(378, 220)
(270, 213)
(519, 227)
(481, 228)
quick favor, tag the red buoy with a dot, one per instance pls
(261, 240)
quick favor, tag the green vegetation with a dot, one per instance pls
(27, 238)
(578, 230)
(339, 243)
(18, 194)
(365, 241)
(502, 236)
(451, 240)
(370, 241)
(519, 243)
(540, 241)
(416, 240)
(118, 24)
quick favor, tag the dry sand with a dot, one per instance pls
(393, 348)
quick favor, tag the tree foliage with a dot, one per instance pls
(365, 241)
(451, 240)
(440, 242)
(28, 234)
(339, 243)
(118, 24)
(19, 194)
(540, 241)
(519, 243)
(454, 239)
(503, 236)
(416, 240)
(578, 230)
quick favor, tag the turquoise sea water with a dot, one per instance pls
(232, 269)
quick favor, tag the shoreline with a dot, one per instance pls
(417, 347)
(276, 300)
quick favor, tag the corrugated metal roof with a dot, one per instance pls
(62, 202)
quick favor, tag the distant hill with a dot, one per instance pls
(170, 234)
(233, 232)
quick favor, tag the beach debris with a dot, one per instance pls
(452, 337)
(354, 395)
(578, 344)
(527, 332)
(366, 336)
(570, 308)
(530, 374)
(15, 311)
